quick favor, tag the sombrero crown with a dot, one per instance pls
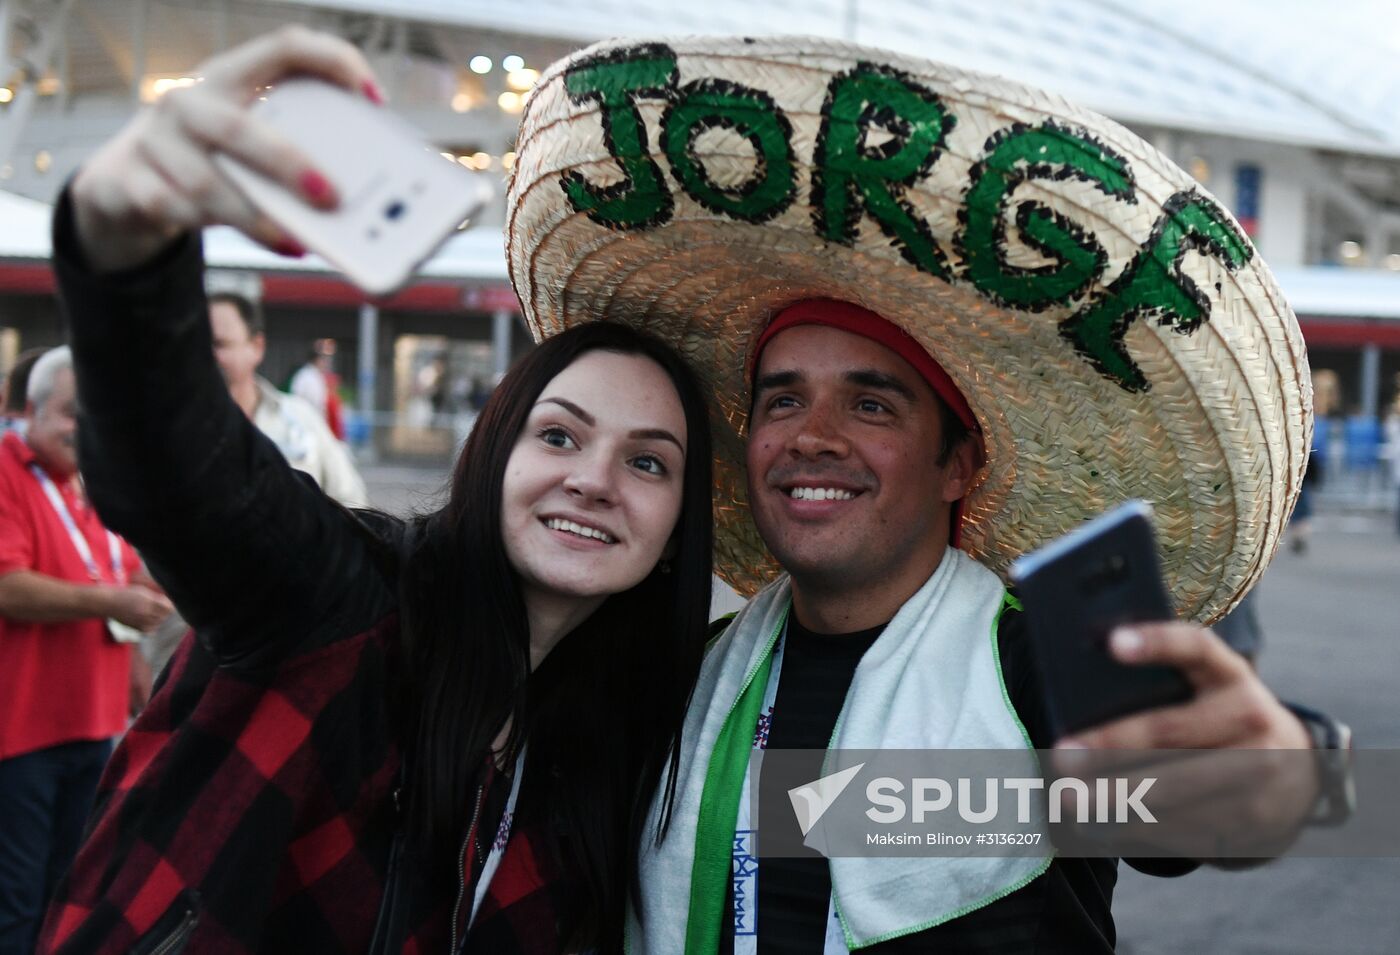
(1113, 330)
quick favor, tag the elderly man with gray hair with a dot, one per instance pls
(67, 684)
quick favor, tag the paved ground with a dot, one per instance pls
(405, 490)
(1332, 624)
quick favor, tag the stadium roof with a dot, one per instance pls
(1315, 74)
(1324, 75)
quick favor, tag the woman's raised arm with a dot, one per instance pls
(253, 554)
(156, 178)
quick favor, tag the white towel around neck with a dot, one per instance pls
(931, 681)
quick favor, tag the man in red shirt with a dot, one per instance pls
(66, 685)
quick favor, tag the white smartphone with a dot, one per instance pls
(399, 197)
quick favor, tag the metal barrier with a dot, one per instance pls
(1360, 468)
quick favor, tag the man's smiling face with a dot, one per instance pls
(844, 480)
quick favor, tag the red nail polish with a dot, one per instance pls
(372, 92)
(317, 187)
(290, 248)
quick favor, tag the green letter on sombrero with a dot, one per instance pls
(615, 81)
(1153, 285)
(855, 171)
(1047, 151)
(719, 104)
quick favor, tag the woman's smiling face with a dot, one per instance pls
(592, 489)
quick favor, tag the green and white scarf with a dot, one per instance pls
(931, 681)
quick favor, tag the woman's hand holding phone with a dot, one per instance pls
(157, 177)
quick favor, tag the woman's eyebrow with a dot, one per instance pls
(571, 408)
(656, 434)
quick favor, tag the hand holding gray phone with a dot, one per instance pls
(1075, 591)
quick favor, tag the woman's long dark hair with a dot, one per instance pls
(603, 712)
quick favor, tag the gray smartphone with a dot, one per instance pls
(1075, 591)
(399, 197)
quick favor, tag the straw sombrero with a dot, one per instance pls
(1113, 330)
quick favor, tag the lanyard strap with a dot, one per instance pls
(498, 842)
(80, 543)
(719, 805)
(724, 835)
(745, 863)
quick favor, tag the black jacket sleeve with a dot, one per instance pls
(257, 559)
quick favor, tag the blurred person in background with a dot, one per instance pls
(1391, 449)
(480, 392)
(1299, 528)
(293, 422)
(66, 684)
(15, 391)
(318, 385)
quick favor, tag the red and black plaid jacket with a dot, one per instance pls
(251, 806)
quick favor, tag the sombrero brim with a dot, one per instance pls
(1114, 332)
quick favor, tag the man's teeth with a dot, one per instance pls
(557, 524)
(821, 494)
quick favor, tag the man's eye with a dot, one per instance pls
(556, 438)
(782, 401)
(871, 406)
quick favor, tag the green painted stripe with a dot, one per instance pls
(719, 808)
(1008, 599)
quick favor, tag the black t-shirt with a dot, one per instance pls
(1065, 910)
(793, 893)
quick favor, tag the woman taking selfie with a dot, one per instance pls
(387, 736)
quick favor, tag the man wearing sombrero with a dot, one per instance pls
(934, 307)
